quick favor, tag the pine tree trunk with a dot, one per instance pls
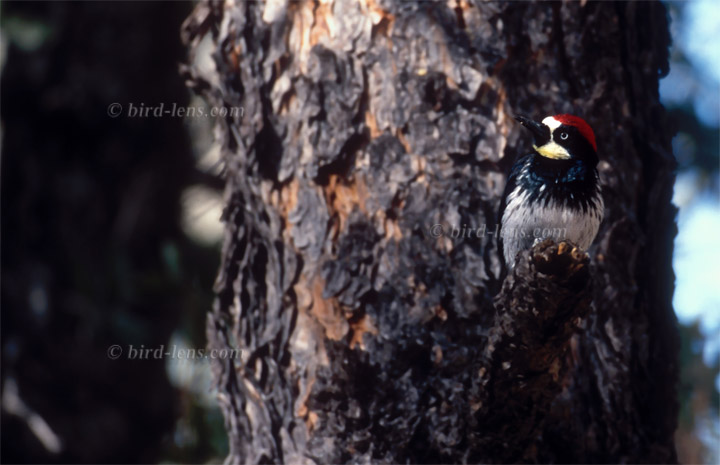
(376, 323)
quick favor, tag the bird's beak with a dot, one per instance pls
(540, 132)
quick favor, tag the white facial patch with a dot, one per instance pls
(552, 123)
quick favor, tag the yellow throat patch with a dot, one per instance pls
(552, 150)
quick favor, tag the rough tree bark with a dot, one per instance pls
(366, 335)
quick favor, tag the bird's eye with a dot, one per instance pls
(563, 135)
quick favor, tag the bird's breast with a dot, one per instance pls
(532, 216)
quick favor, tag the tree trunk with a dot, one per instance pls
(370, 333)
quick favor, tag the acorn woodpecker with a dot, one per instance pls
(553, 192)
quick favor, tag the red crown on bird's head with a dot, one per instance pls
(580, 124)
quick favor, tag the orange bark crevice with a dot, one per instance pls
(343, 197)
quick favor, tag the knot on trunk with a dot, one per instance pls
(539, 308)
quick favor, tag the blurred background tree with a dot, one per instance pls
(107, 238)
(691, 93)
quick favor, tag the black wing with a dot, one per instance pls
(509, 187)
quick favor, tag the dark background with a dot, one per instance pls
(100, 244)
(93, 252)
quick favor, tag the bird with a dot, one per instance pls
(554, 191)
